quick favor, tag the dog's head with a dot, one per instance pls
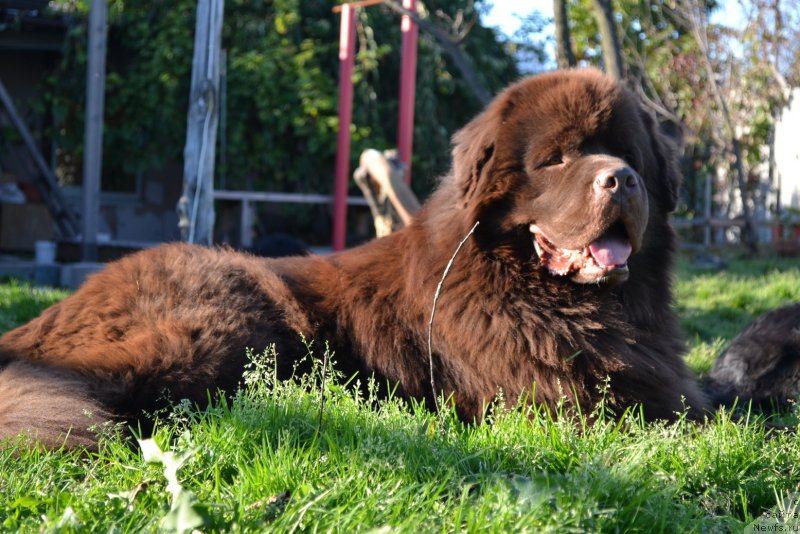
(568, 168)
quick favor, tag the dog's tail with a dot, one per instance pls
(42, 405)
(761, 365)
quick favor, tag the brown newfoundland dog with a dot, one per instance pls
(564, 284)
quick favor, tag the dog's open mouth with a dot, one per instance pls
(604, 260)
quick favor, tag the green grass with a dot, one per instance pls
(262, 463)
(19, 302)
(715, 306)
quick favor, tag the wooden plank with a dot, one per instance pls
(93, 135)
(716, 222)
(283, 198)
(196, 206)
(247, 198)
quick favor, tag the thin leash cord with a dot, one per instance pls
(433, 312)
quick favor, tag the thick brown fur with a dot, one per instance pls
(179, 318)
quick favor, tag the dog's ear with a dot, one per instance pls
(473, 149)
(666, 154)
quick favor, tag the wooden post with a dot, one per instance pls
(196, 206)
(93, 136)
(408, 81)
(223, 119)
(347, 48)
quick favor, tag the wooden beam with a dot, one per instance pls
(93, 135)
(248, 198)
(196, 206)
(284, 198)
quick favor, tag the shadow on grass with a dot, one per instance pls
(596, 477)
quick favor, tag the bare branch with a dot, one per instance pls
(694, 16)
(450, 46)
(325, 358)
(564, 54)
(662, 111)
(612, 55)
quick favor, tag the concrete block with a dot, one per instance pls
(74, 274)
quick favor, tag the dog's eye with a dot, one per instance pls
(551, 161)
(632, 157)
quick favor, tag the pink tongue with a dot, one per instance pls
(609, 251)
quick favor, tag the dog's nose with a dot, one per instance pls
(620, 183)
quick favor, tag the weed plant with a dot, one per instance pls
(264, 460)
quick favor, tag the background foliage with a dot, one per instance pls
(282, 70)
(282, 86)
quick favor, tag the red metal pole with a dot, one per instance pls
(347, 49)
(408, 82)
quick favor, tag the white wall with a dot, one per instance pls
(787, 152)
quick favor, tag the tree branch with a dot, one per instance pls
(695, 20)
(450, 46)
(612, 55)
(565, 57)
